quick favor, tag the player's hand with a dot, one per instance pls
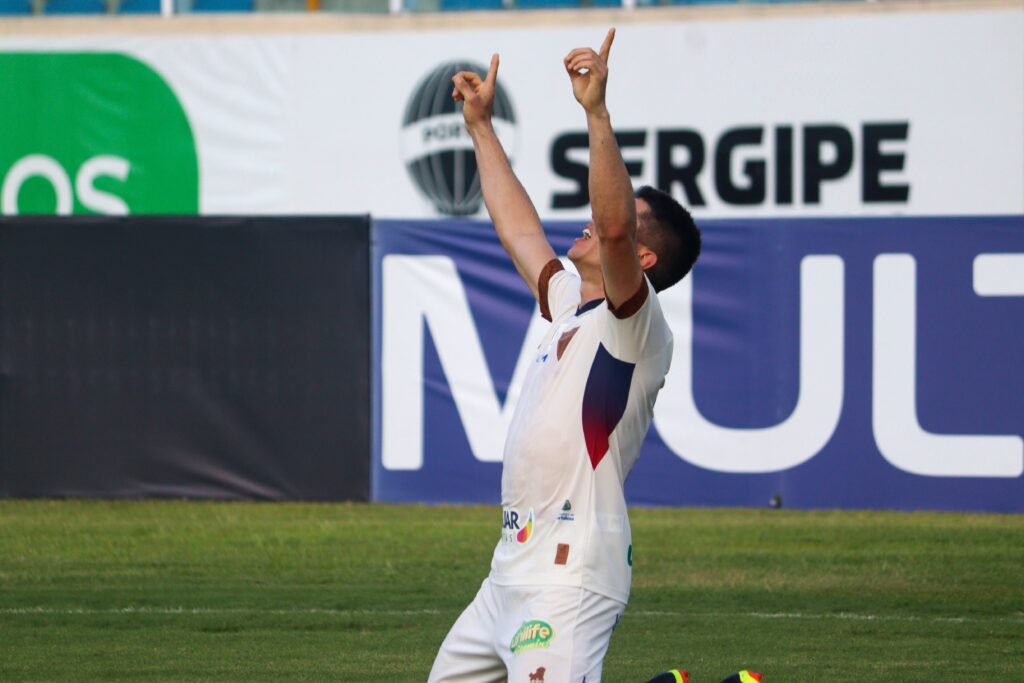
(588, 71)
(476, 94)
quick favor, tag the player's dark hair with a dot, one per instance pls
(669, 231)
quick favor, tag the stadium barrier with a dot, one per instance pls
(185, 357)
(774, 116)
(861, 363)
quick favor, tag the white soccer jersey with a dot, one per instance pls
(581, 418)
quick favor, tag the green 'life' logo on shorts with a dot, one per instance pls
(532, 635)
(92, 133)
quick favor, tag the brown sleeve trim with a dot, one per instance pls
(549, 270)
(631, 305)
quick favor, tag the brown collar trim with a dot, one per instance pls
(549, 270)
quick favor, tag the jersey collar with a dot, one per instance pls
(589, 306)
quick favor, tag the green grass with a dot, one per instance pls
(185, 591)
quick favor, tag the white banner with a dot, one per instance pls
(872, 113)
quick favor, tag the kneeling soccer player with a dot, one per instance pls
(561, 572)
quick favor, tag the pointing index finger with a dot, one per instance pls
(492, 73)
(606, 46)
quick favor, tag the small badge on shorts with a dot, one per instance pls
(538, 675)
(562, 554)
(532, 635)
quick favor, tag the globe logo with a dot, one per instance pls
(436, 148)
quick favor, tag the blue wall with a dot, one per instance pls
(953, 442)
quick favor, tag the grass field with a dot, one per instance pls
(185, 591)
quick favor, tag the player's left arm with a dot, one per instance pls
(611, 191)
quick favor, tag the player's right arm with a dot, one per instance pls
(514, 216)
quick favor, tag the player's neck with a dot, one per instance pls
(591, 288)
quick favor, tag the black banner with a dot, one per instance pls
(185, 357)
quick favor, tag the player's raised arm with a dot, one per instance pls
(515, 218)
(611, 192)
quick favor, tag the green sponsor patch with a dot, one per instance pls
(92, 133)
(532, 635)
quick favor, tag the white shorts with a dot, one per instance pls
(528, 634)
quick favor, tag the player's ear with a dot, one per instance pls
(647, 257)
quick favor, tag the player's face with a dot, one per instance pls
(584, 246)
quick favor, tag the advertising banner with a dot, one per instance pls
(879, 111)
(818, 363)
(185, 357)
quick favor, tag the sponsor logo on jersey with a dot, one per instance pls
(514, 528)
(532, 635)
(538, 675)
(566, 514)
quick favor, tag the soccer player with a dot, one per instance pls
(560, 576)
